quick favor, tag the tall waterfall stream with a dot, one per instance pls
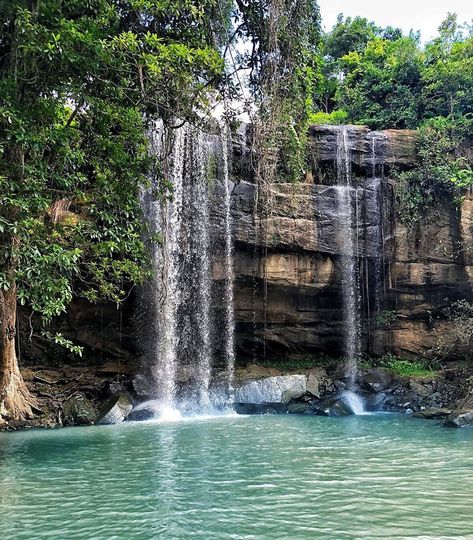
(192, 308)
(347, 221)
(361, 243)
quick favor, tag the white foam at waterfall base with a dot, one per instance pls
(163, 413)
(354, 402)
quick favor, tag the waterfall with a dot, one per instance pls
(354, 402)
(229, 326)
(167, 222)
(196, 269)
(186, 334)
(347, 217)
(375, 241)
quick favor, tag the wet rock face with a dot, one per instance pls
(288, 260)
(394, 147)
(304, 217)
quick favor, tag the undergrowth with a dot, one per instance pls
(403, 367)
(294, 364)
(407, 368)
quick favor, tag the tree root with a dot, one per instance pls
(17, 400)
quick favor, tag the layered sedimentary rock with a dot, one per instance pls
(288, 262)
(288, 256)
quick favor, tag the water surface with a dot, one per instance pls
(260, 477)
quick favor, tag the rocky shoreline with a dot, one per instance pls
(74, 395)
(444, 395)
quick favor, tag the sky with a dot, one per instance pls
(423, 15)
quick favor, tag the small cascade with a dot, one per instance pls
(188, 332)
(347, 202)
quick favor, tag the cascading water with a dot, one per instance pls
(194, 312)
(229, 324)
(375, 227)
(166, 219)
(183, 334)
(353, 401)
(361, 239)
(347, 205)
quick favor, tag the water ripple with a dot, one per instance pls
(271, 477)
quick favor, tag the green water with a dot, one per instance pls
(260, 477)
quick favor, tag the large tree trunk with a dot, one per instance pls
(15, 399)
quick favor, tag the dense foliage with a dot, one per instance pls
(383, 79)
(282, 64)
(386, 80)
(77, 79)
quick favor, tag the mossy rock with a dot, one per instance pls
(78, 410)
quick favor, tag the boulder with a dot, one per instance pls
(299, 408)
(114, 410)
(375, 402)
(433, 413)
(334, 406)
(78, 410)
(462, 418)
(142, 412)
(272, 390)
(313, 384)
(376, 379)
(342, 404)
(261, 408)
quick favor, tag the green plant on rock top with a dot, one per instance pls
(385, 318)
(440, 176)
(295, 364)
(336, 117)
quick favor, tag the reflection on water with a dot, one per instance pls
(239, 478)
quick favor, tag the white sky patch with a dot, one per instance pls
(423, 15)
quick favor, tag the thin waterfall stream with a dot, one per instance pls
(348, 239)
(229, 316)
(360, 233)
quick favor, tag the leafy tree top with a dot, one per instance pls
(78, 81)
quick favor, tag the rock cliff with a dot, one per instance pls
(287, 258)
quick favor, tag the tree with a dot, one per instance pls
(382, 84)
(349, 35)
(282, 66)
(448, 74)
(78, 80)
